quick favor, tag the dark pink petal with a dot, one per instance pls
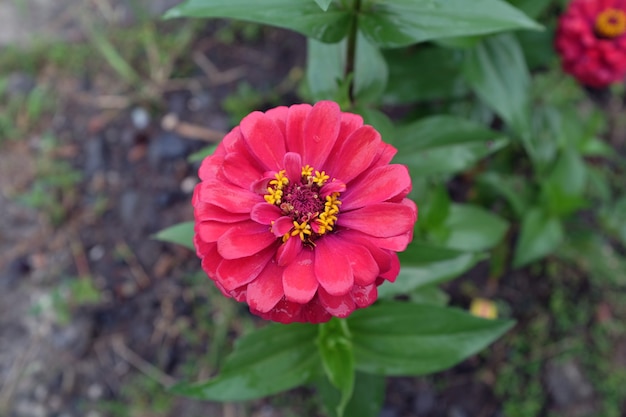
(229, 141)
(222, 289)
(349, 123)
(394, 270)
(239, 170)
(332, 266)
(209, 255)
(356, 154)
(293, 166)
(320, 132)
(299, 281)
(205, 211)
(267, 289)
(279, 116)
(265, 213)
(288, 251)
(377, 186)
(332, 187)
(260, 186)
(211, 231)
(295, 127)
(239, 294)
(244, 239)
(338, 305)
(314, 312)
(284, 312)
(282, 225)
(379, 220)
(363, 264)
(381, 256)
(233, 273)
(385, 154)
(364, 296)
(264, 139)
(394, 243)
(228, 197)
(210, 166)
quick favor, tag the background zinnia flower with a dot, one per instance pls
(300, 214)
(591, 41)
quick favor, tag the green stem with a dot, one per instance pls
(351, 52)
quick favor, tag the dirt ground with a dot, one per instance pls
(97, 318)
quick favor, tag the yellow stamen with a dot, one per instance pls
(301, 229)
(611, 23)
(273, 196)
(307, 171)
(320, 178)
(280, 181)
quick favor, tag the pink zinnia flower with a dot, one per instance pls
(300, 214)
(591, 39)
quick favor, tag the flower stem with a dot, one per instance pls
(351, 52)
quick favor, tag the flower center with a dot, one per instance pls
(611, 23)
(310, 202)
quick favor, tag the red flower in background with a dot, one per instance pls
(300, 214)
(591, 41)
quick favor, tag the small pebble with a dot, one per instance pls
(188, 184)
(140, 118)
(96, 253)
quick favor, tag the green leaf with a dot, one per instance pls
(424, 264)
(537, 47)
(613, 219)
(367, 398)
(181, 233)
(396, 338)
(496, 70)
(540, 234)
(514, 189)
(532, 8)
(335, 350)
(302, 16)
(444, 145)
(326, 64)
(371, 72)
(202, 153)
(473, 229)
(267, 361)
(396, 23)
(435, 209)
(593, 253)
(564, 188)
(423, 74)
(429, 294)
(323, 4)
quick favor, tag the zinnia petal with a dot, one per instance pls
(267, 289)
(337, 305)
(244, 239)
(378, 185)
(320, 132)
(299, 281)
(332, 267)
(265, 139)
(380, 220)
(233, 273)
(363, 145)
(295, 127)
(233, 199)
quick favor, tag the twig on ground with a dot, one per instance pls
(170, 122)
(138, 362)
